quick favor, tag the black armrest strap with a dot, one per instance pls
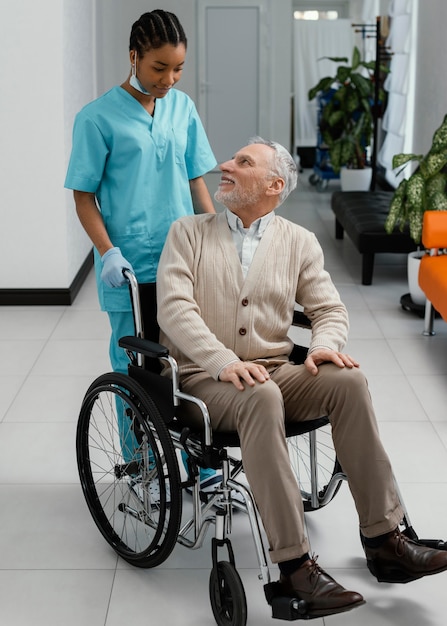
(143, 346)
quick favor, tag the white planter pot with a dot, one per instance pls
(355, 180)
(413, 263)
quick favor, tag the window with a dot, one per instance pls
(315, 15)
(313, 10)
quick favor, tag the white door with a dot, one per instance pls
(233, 67)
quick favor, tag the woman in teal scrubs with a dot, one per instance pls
(138, 157)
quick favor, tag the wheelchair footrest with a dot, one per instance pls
(285, 607)
(436, 544)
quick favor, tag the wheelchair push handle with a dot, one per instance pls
(135, 299)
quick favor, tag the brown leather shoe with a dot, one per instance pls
(401, 560)
(323, 595)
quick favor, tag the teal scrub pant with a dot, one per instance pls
(122, 325)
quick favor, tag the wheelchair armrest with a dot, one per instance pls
(299, 319)
(143, 346)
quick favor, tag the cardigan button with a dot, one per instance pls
(245, 302)
(242, 331)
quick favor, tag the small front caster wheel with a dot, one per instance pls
(227, 595)
(322, 184)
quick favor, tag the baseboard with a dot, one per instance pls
(38, 297)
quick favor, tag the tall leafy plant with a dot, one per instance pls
(424, 190)
(346, 121)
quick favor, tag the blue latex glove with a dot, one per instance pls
(113, 264)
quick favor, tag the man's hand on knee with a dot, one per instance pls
(245, 371)
(324, 355)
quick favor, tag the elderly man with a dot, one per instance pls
(227, 288)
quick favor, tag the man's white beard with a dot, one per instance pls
(236, 198)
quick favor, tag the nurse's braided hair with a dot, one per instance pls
(154, 30)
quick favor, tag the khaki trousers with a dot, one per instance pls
(293, 394)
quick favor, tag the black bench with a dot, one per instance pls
(362, 215)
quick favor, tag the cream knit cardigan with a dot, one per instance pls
(210, 315)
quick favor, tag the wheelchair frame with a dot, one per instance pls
(135, 497)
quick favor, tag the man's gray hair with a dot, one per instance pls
(283, 166)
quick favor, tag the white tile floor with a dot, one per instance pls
(55, 568)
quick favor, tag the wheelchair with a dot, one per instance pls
(128, 442)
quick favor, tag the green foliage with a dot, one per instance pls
(346, 123)
(424, 190)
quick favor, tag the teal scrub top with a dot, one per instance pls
(139, 168)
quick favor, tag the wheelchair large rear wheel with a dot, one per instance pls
(319, 481)
(128, 470)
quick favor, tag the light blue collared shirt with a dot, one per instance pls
(247, 240)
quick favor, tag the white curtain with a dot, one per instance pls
(313, 40)
(395, 120)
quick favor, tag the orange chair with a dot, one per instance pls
(433, 268)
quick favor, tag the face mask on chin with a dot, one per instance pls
(133, 80)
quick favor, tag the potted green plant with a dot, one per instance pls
(346, 122)
(424, 190)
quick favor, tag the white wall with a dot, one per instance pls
(47, 72)
(41, 244)
(114, 21)
(431, 84)
(79, 87)
(281, 79)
